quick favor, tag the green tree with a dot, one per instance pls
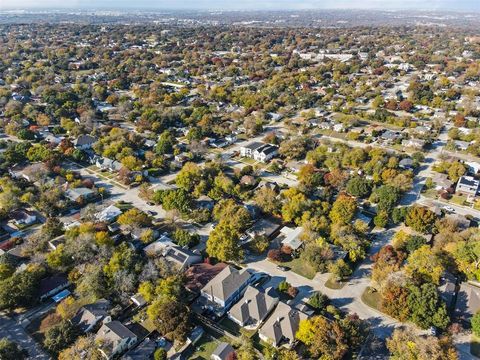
(170, 318)
(165, 143)
(11, 351)
(189, 176)
(59, 336)
(358, 186)
(381, 219)
(343, 209)
(426, 308)
(475, 321)
(420, 219)
(224, 243)
(386, 197)
(267, 201)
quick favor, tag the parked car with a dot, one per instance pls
(283, 268)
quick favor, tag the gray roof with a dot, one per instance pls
(114, 331)
(468, 301)
(226, 282)
(143, 351)
(253, 307)
(283, 323)
(90, 314)
(254, 145)
(223, 350)
(84, 140)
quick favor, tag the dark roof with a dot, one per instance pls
(51, 283)
(199, 275)
(143, 351)
(254, 145)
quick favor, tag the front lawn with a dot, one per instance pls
(301, 268)
(331, 283)
(371, 298)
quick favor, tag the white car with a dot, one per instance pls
(448, 209)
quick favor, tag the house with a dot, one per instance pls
(108, 214)
(291, 237)
(282, 325)
(264, 227)
(182, 258)
(223, 351)
(253, 307)
(84, 142)
(259, 151)
(52, 285)
(447, 288)
(108, 164)
(115, 338)
(205, 202)
(198, 275)
(143, 351)
(414, 143)
(406, 163)
(461, 145)
(226, 288)
(88, 316)
(467, 185)
(468, 301)
(22, 217)
(80, 194)
(441, 181)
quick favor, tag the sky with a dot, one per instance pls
(245, 4)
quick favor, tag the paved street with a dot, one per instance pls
(13, 331)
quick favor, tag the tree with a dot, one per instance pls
(236, 215)
(185, 238)
(60, 336)
(475, 321)
(160, 354)
(386, 197)
(343, 209)
(426, 308)
(340, 269)
(318, 301)
(309, 176)
(11, 351)
(165, 143)
(266, 199)
(424, 265)
(84, 347)
(134, 218)
(358, 186)
(246, 351)
(294, 205)
(189, 176)
(20, 290)
(381, 219)
(58, 258)
(420, 219)
(92, 283)
(224, 243)
(323, 338)
(259, 244)
(170, 318)
(405, 345)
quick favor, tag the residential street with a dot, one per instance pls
(13, 331)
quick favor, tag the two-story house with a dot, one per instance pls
(225, 289)
(115, 338)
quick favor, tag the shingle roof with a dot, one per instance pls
(226, 282)
(283, 323)
(253, 307)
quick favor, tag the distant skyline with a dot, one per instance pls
(464, 5)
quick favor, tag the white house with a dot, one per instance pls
(259, 151)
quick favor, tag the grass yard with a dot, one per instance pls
(458, 199)
(205, 347)
(475, 346)
(301, 268)
(371, 298)
(331, 283)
